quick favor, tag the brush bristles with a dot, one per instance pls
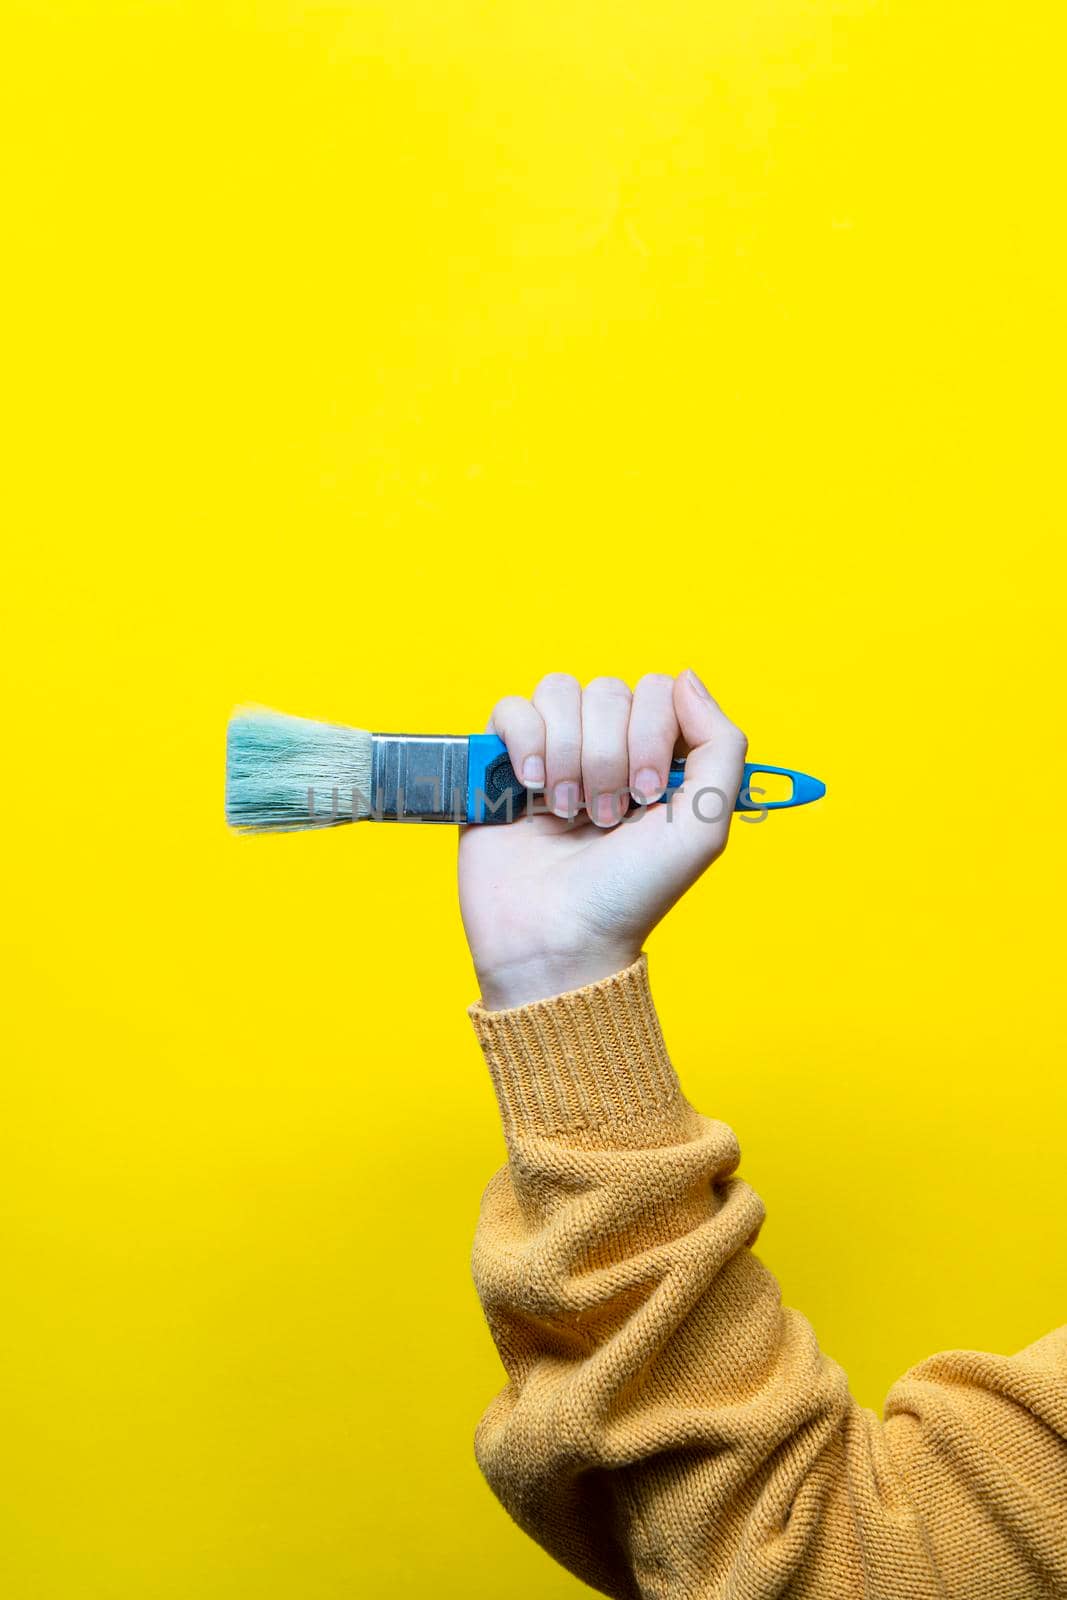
(273, 761)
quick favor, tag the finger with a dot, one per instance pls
(558, 699)
(605, 761)
(523, 731)
(652, 736)
(703, 806)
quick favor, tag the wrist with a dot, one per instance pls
(541, 976)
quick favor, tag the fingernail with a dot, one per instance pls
(698, 686)
(565, 799)
(648, 785)
(533, 772)
(605, 809)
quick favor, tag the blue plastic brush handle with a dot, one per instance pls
(491, 780)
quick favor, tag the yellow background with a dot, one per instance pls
(369, 360)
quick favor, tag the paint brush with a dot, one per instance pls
(288, 774)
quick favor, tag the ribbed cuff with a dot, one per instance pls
(590, 1059)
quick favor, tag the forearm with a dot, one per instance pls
(584, 1064)
(640, 1335)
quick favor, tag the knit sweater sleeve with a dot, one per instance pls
(668, 1429)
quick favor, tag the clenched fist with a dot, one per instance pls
(570, 893)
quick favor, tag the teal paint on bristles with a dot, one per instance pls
(273, 760)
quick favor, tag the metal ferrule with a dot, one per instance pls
(418, 777)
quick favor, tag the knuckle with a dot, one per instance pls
(555, 683)
(507, 705)
(610, 687)
(658, 681)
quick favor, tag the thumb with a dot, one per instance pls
(714, 768)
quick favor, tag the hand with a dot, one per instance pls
(551, 902)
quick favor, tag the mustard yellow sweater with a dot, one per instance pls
(668, 1428)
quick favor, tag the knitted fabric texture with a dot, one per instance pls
(670, 1431)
